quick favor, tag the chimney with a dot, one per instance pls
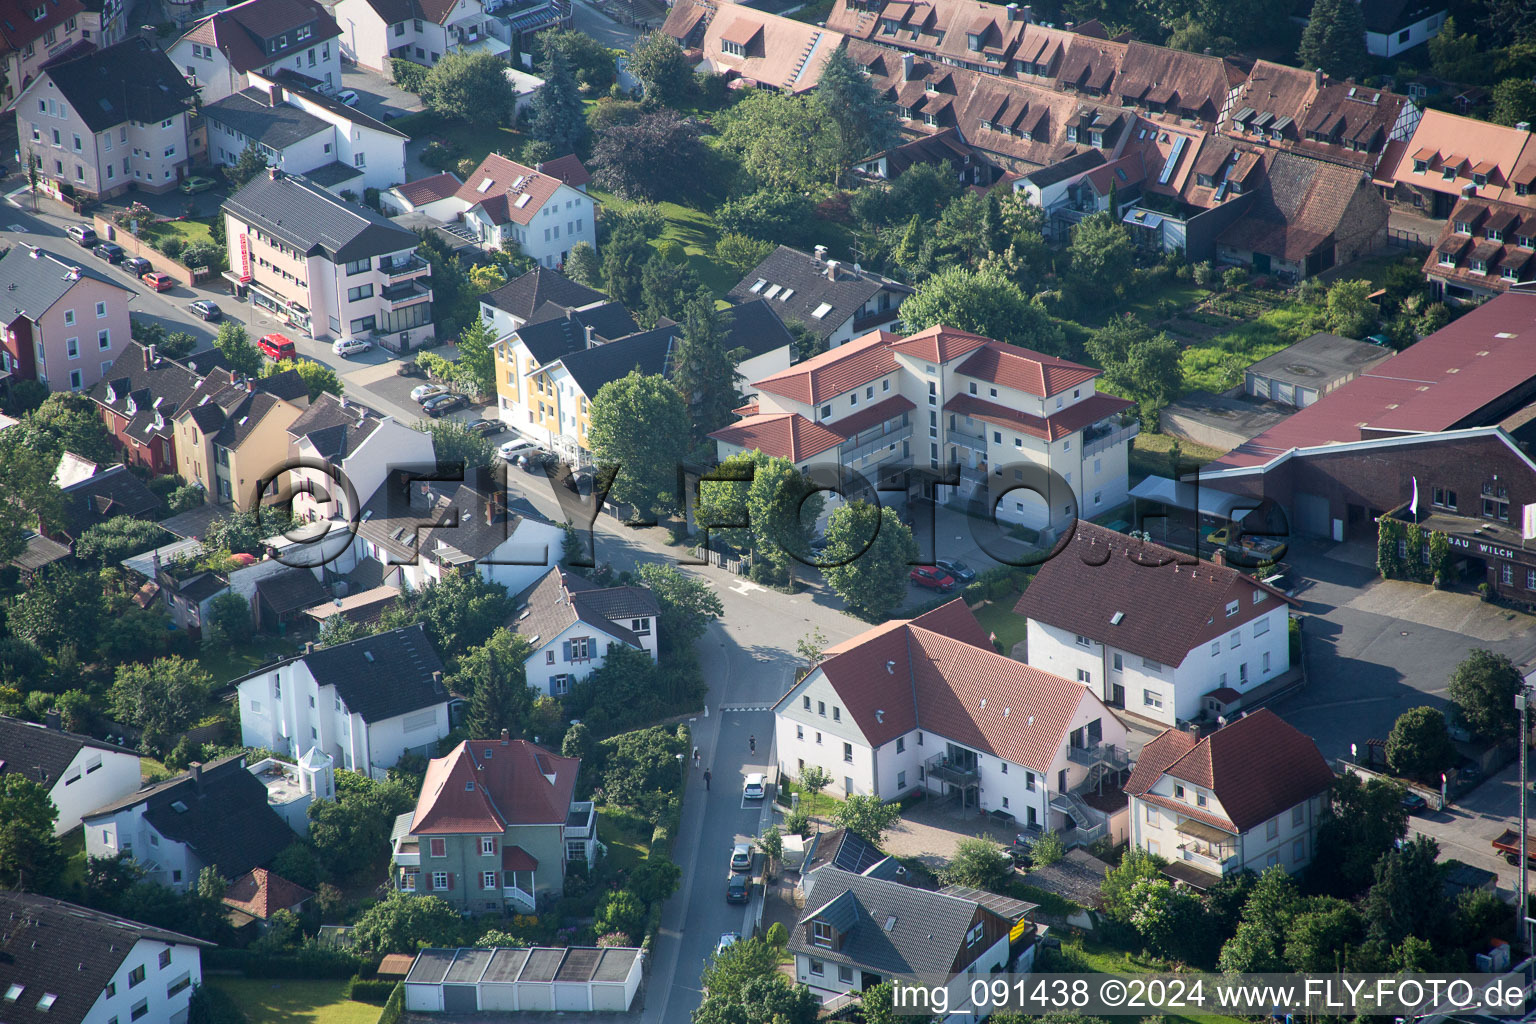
(149, 356)
(274, 95)
(907, 62)
(1013, 12)
(250, 386)
(821, 253)
(274, 173)
(309, 647)
(1193, 729)
(437, 681)
(1317, 76)
(1028, 11)
(506, 737)
(53, 720)
(831, 270)
(197, 775)
(587, 330)
(1522, 126)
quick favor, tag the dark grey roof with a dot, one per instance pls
(383, 675)
(431, 966)
(314, 221)
(38, 552)
(555, 330)
(241, 421)
(805, 277)
(201, 587)
(105, 495)
(40, 753)
(290, 591)
(335, 426)
(332, 174)
(1388, 16)
(287, 385)
(161, 385)
(591, 368)
(521, 296)
(33, 280)
(1319, 361)
(70, 952)
(506, 965)
(448, 519)
(557, 601)
(468, 965)
(755, 327)
(227, 821)
(615, 964)
(305, 86)
(250, 113)
(887, 927)
(542, 965)
(1061, 170)
(132, 81)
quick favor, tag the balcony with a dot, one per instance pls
(1096, 440)
(1108, 754)
(410, 267)
(399, 296)
(965, 439)
(852, 453)
(955, 773)
(581, 820)
(408, 855)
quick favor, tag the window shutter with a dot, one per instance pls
(495, 846)
(450, 881)
(566, 646)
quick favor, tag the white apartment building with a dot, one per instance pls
(221, 52)
(1247, 797)
(374, 32)
(356, 442)
(1167, 641)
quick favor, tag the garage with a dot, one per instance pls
(1311, 514)
(424, 983)
(535, 986)
(571, 980)
(498, 985)
(461, 985)
(616, 979)
(578, 979)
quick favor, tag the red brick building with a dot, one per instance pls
(138, 399)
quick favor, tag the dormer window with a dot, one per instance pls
(930, 87)
(1479, 266)
(1420, 166)
(887, 27)
(1447, 259)
(1507, 273)
(973, 42)
(1096, 138)
(1522, 189)
(1448, 173)
(39, 13)
(1071, 133)
(1494, 235)
(1463, 227)
(1479, 180)
(1523, 241)
(821, 934)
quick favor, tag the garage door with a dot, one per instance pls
(460, 999)
(1311, 515)
(571, 997)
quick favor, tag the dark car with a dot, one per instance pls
(1413, 803)
(486, 428)
(137, 266)
(109, 251)
(932, 578)
(736, 889)
(959, 570)
(1019, 853)
(1468, 770)
(410, 368)
(436, 407)
(205, 309)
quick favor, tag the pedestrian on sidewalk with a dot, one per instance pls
(706, 780)
(695, 757)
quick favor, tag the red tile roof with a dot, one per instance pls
(1025, 370)
(498, 184)
(870, 416)
(259, 893)
(568, 169)
(515, 858)
(1166, 608)
(483, 786)
(1070, 419)
(1258, 766)
(784, 434)
(240, 32)
(850, 365)
(426, 190)
(18, 29)
(1159, 752)
(940, 344)
(1437, 384)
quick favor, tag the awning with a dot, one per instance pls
(1206, 833)
(515, 858)
(1184, 495)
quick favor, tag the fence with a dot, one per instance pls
(1403, 239)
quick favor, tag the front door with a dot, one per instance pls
(1261, 263)
(1061, 781)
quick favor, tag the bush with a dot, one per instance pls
(394, 1009)
(1047, 849)
(408, 74)
(778, 936)
(370, 990)
(305, 962)
(171, 245)
(1235, 277)
(202, 254)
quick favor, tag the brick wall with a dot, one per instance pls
(1363, 228)
(137, 247)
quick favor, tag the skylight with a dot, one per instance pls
(178, 807)
(822, 310)
(484, 186)
(771, 292)
(522, 200)
(759, 285)
(785, 294)
(46, 1003)
(1114, 620)
(14, 992)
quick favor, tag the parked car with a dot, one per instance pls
(1019, 854)
(277, 347)
(741, 857)
(736, 889)
(727, 940)
(486, 428)
(205, 309)
(755, 786)
(959, 570)
(137, 266)
(436, 407)
(110, 251)
(1413, 803)
(348, 347)
(510, 450)
(82, 234)
(422, 392)
(410, 368)
(158, 281)
(1468, 770)
(348, 97)
(932, 578)
(192, 186)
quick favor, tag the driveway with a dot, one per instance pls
(376, 95)
(599, 26)
(1466, 829)
(1376, 648)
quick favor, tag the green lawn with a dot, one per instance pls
(1144, 302)
(1149, 455)
(190, 230)
(1107, 959)
(627, 836)
(229, 663)
(1217, 364)
(465, 140)
(693, 229)
(998, 617)
(268, 1001)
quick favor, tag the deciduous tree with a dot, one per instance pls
(1483, 686)
(62, 609)
(163, 698)
(1514, 101)
(1419, 745)
(978, 862)
(1350, 311)
(404, 922)
(652, 157)
(582, 266)
(740, 253)
(983, 302)
(639, 426)
(239, 353)
(868, 817)
(784, 142)
(1101, 251)
(662, 70)
(688, 604)
(454, 445)
(318, 378)
(866, 124)
(469, 87)
(1362, 821)
(871, 552)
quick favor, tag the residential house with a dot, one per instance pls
(1485, 248)
(104, 22)
(430, 198)
(338, 436)
(99, 123)
(945, 149)
(754, 47)
(303, 131)
(220, 53)
(858, 931)
(214, 815)
(279, 600)
(1300, 374)
(79, 773)
(102, 495)
(68, 964)
(835, 301)
(1452, 158)
(549, 369)
(376, 31)
(1246, 797)
(415, 528)
(1393, 26)
(31, 36)
(64, 321)
(494, 827)
(1000, 413)
(138, 399)
(572, 624)
(514, 303)
(955, 719)
(366, 703)
(331, 268)
(231, 434)
(1153, 631)
(258, 894)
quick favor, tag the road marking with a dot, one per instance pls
(745, 707)
(745, 587)
(20, 229)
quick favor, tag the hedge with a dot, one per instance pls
(370, 990)
(304, 962)
(395, 1007)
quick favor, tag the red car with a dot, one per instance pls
(932, 578)
(158, 281)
